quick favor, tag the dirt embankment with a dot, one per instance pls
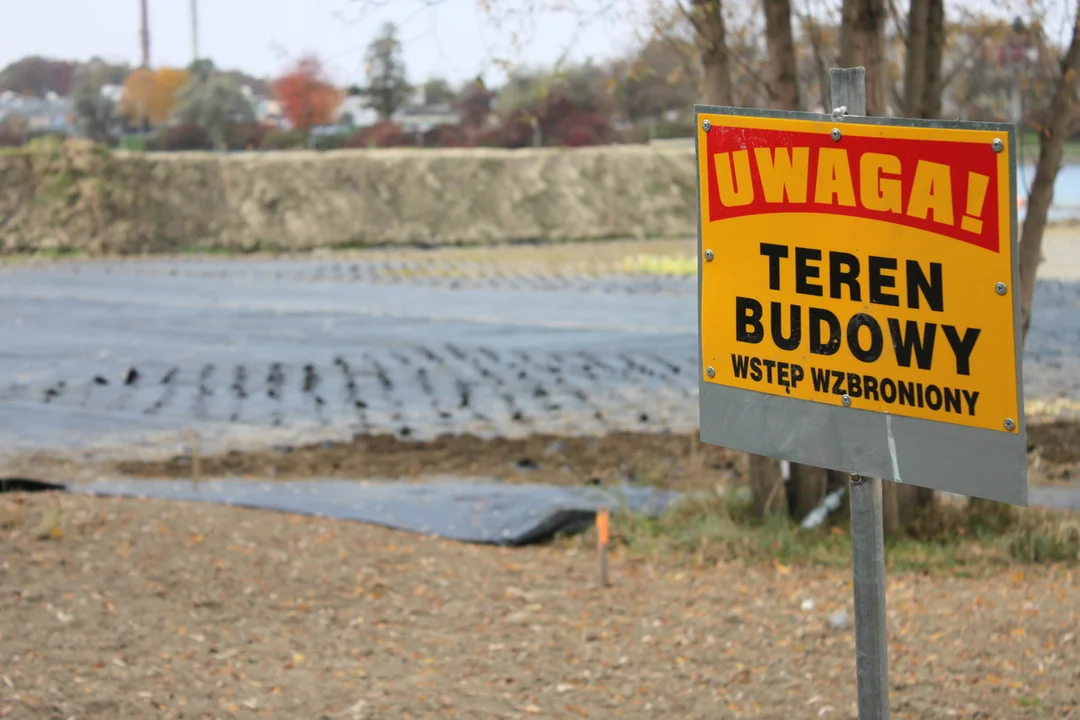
(77, 197)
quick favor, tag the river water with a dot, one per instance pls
(1066, 205)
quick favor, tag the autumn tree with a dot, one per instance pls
(307, 97)
(150, 96)
(387, 88)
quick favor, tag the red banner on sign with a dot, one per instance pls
(948, 188)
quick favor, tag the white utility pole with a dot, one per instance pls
(194, 30)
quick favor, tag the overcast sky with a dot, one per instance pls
(449, 38)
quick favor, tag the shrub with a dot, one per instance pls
(446, 136)
(180, 138)
(245, 136)
(668, 130)
(336, 141)
(10, 137)
(382, 134)
(491, 138)
(517, 131)
(581, 129)
(284, 140)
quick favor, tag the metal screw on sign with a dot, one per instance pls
(1000, 288)
(710, 372)
(708, 256)
(706, 125)
(846, 400)
(1009, 424)
(836, 134)
(997, 145)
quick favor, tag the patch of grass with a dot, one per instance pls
(57, 253)
(951, 536)
(1029, 148)
(670, 265)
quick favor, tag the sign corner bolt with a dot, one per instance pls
(708, 255)
(1010, 424)
(706, 125)
(997, 145)
(710, 372)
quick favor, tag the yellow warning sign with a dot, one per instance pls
(870, 267)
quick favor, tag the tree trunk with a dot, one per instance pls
(933, 79)
(870, 45)
(922, 99)
(1051, 146)
(813, 31)
(849, 9)
(862, 42)
(781, 47)
(766, 486)
(809, 485)
(915, 59)
(707, 17)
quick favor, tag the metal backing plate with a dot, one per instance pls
(982, 456)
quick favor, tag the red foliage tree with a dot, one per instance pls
(307, 97)
(581, 129)
(560, 120)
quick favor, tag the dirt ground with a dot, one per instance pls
(669, 461)
(120, 608)
(666, 460)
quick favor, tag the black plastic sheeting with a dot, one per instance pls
(477, 511)
(27, 485)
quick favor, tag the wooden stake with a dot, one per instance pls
(602, 521)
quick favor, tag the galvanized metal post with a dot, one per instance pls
(868, 569)
(867, 527)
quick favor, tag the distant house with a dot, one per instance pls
(267, 111)
(355, 113)
(51, 113)
(423, 118)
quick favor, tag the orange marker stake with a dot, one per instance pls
(601, 545)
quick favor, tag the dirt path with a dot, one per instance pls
(145, 609)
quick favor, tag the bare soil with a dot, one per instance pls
(663, 460)
(669, 461)
(678, 461)
(121, 608)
